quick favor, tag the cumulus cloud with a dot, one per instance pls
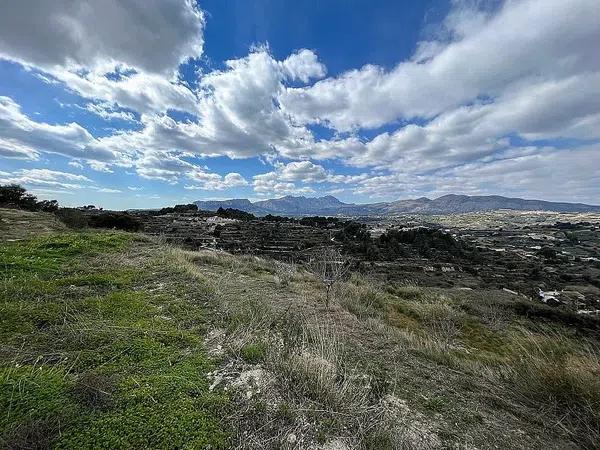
(21, 137)
(567, 108)
(491, 90)
(171, 168)
(485, 58)
(141, 92)
(269, 184)
(108, 50)
(547, 173)
(303, 66)
(283, 180)
(152, 35)
(304, 171)
(109, 112)
(215, 182)
(237, 116)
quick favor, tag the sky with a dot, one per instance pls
(148, 103)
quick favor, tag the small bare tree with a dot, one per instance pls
(329, 266)
(284, 272)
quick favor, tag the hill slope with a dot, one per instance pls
(447, 204)
(113, 340)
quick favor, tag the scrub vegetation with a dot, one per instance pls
(112, 339)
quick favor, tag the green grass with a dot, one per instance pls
(46, 255)
(254, 353)
(98, 353)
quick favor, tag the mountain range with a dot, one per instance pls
(447, 204)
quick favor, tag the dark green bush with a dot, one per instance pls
(115, 220)
(73, 218)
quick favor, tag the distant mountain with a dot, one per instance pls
(302, 205)
(447, 204)
(455, 204)
(242, 204)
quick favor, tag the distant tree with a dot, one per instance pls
(272, 218)
(217, 231)
(72, 217)
(15, 196)
(330, 267)
(178, 209)
(115, 220)
(547, 252)
(426, 241)
(232, 213)
(48, 205)
(191, 207)
(320, 221)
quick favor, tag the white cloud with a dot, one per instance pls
(215, 182)
(269, 184)
(303, 66)
(109, 191)
(109, 112)
(117, 51)
(283, 179)
(142, 92)
(546, 173)
(45, 178)
(304, 171)
(237, 117)
(526, 42)
(172, 168)
(151, 35)
(76, 164)
(567, 108)
(22, 137)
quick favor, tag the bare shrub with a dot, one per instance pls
(284, 272)
(330, 267)
(444, 322)
(361, 297)
(495, 316)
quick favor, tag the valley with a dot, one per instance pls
(523, 252)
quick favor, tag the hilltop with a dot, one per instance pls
(114, 339)
(447, 204)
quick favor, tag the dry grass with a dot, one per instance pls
(564, 381)
(308, 392)
(17, 225)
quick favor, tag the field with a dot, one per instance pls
(121, 340)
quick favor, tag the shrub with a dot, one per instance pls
(115, 220)
(232, 213)
(330, 267)
(15, 196)
(73, 218)
(253, 353)
(284, 273)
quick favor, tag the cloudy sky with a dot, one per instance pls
(145, 103)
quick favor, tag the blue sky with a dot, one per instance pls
(131, 103)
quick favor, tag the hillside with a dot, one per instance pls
(447, 204)
(115, 340)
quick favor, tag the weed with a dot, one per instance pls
(253, 353)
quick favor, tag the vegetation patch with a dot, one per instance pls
(99, 353)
